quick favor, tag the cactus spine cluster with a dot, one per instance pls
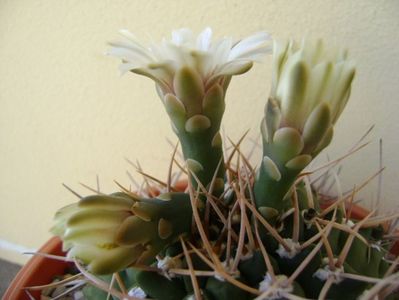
(256, 233)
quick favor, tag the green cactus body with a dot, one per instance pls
(366, 259)
(254, 268)
(262, 234)
(198, 264)
(159, 287)
(346, 289)
(219, 289)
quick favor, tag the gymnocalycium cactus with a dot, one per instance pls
(235, 231)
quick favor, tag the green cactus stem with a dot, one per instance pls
(196, 115)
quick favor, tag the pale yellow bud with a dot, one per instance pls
(306, 75)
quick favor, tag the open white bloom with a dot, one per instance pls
(191, 72)
(211, 60)
(309, 75)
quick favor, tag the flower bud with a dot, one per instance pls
(308, 74)
(311, 84)
(110, 232)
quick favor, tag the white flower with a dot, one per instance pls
(212, 60)
(307, 75)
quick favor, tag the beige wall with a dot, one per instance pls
(66, 115)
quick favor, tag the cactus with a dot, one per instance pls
(310, 89)
(237, 232)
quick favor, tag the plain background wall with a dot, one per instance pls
(66, 115)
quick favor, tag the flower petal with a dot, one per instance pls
(182, 36)
(210, 59)
(204, 39)
(254, 42)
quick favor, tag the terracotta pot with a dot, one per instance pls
(38, 270)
